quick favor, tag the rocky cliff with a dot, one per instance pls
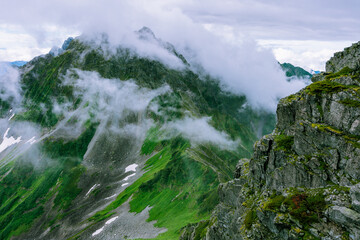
(303, 179)
(350, 57)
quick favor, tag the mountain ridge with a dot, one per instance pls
(88, 132)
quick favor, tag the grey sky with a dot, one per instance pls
(304, 32)
(279, 19)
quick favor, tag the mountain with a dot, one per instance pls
(303, 181)
(347, 58)
(104, 142)
(292, 71)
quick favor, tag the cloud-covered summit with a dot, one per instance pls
(243, 67)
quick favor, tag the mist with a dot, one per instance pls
(18, 138)
(10, 90)
(242, 66)
(110, 96)
(123, 105)
(199, 131)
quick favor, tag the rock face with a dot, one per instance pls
(303, 179)
(350, 57)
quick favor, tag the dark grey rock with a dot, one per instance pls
(350, 57)
(315, 149)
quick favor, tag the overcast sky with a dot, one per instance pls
(305, 33)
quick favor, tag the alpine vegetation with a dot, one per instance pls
(113, 134)
(175, 120)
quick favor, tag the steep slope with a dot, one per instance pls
(125, 146)
(303, 180)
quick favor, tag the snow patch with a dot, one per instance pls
(112, 196)
(111, 220)
(107, 223)
(98, 231)
(131, 175)
(131, 168)
(91, 189)
(7, 142)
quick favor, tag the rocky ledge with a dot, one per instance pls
(303, 181)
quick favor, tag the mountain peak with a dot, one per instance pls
(349, 57)
(146, 33)
(67, 43)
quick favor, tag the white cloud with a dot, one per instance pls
(19, 43)
(108, 101)
(142, 43)
(9, 84)
(198, 131)
(112, 95)
(230, 55)
(306, 54)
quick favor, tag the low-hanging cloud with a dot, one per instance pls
(112, 95)
(141, 43)
(103, 100)
(116, 99)
(10, 89)
(199, 131)
(243, 68)
(18, 138)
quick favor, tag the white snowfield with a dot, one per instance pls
(107, 223)
(111, 220)
(7, 142)
(98, 231)
(91, 189)
(112, 196)
(12, 115)
(131, 175)
(131, 168)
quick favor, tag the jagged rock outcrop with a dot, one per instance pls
(303, 180)
(350, 57)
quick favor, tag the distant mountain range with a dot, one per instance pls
(293, 71)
